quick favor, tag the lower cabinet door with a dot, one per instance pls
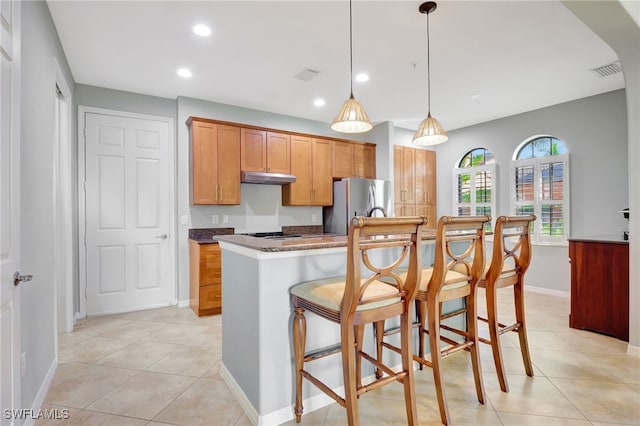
(210, 297)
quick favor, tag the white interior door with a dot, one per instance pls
(9, 209)
(127, 201)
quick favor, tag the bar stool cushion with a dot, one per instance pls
(454, 278)
(328, 293)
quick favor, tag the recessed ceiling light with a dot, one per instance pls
(319, 102)
(184, 73)
(202, 30)
(362, 77)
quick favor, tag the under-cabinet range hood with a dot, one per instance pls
(267, 178)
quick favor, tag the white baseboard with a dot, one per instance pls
(42, 392)
(183, 303)
(549, 291)
(633, 350)
(282, 415)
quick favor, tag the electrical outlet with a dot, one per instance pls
(215, 219)
(225, 218)
(184, 219)
(23, 364)
(314, 218)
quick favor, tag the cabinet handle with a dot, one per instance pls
(424, 196)
(221, 193)
(216, 198)
(314, 195)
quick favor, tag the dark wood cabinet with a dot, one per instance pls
(600, 286)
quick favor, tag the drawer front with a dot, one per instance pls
(210, 253)
(210, 273)
(211, 296)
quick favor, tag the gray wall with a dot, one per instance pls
(40, 45)
(594, 130)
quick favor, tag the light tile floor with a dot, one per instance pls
(161, 366)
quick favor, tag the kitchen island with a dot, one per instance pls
(257, 354)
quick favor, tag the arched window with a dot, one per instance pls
(540, 186)
(474, 183)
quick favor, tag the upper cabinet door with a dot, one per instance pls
(228, 165)
(322, 173)
(204, 171)
(253, 150)
(342, 159)
(364, 161)
(278, 150)
(300, 193)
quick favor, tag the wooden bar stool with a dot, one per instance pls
(359, 298)
(458, 265)
(509, 262)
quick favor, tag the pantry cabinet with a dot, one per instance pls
(205, 278)
(215, 163)
(415, 182)
(311, 164)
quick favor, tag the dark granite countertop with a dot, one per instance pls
(300, 242)
(208, 235)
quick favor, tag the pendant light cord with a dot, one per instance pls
(428, 70)
(350, 48)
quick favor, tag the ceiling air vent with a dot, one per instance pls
(307, 74)
(608, 69)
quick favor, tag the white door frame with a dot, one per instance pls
(62, 204)
(82, 220)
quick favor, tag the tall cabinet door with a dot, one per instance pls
(408, 173)
(322, 173)
(228, 165)
(204, 171)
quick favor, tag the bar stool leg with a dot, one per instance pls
(359, 333)
(406, 345)
(421, 309)
(494, 335)
(436, 358)
(379, 332)
(518, 296)
(349, 374)
(299, 341)
(472, 330)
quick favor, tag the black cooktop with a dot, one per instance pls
(272, 235)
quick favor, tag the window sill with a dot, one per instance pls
(564, 243)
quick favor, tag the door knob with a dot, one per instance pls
(17, 278)
(162, 237)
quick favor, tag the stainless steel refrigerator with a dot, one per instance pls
(357, 197)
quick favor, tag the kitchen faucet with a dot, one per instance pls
(384, 212)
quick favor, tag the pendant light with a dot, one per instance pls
(352, 118)
(430, 131)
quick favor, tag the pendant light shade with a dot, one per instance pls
(352, 118)
(430, 131)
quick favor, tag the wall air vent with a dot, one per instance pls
(307, 74)
(608, 69)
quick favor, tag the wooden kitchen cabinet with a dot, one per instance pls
(205, 278)
(364, 161)
(352, 159)
(415, 182)
(264, 151)
(342, 159)
(600, 286)
(312, 166)
(215, 163)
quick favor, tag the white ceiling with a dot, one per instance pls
(488, 59)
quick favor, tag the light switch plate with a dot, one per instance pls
(184, 219)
